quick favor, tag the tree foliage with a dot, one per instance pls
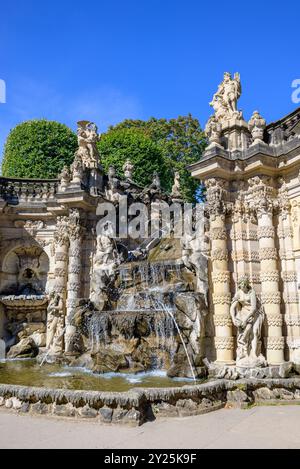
(181, 142)
(122, 143)
(38, 149)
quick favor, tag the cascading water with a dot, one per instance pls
(170, 313)
(141, 332)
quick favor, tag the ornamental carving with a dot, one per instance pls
(61, 256)
(224, 343)
(286, 255)
(284, 204)
(75, 269)
(61, 236)
(259, 199)
(220, 277)
(293, 343)
(75, 229)
(275, 343)
(269, 276)
(292, 320)
(246, 256)
(284, 233)
(274, 320)
(257, 125)
(295, 212)
(265, 232)
(60, 272)
(218, 234)
(222, 320)
(289, 276)
(219, 255)
(271, 298)
(221, 299)
(73, 286)
(216, 197)
(237, 235)
(290, 299)
(268, 254)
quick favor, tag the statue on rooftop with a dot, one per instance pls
(226, 98)
(88, 137)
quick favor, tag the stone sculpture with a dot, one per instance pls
(112, 190)
(65, 178)
(213, 130)
(128, 170)
(176, 192)
(106, 261)
(88, 137)
(194, 260)
(55, 324)
(248, 318)
(225, 99)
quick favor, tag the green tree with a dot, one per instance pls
(181, 142)
(120, 144)
(38, 149)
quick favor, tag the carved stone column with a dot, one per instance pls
(221, 298)
(270, 293)
(289, 274)
(74, 275)
(61, 240)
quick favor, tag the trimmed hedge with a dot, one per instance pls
(38, 149)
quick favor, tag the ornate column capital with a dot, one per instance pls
(217, 197)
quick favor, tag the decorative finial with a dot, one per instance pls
(257, 125)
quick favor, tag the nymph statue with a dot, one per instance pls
(55, 324)
(248, 317)
(195, 260)
(106, 261)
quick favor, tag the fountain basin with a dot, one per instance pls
(141, 404)
(27, 301)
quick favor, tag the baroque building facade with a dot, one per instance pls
(252, 174)
(56, 270)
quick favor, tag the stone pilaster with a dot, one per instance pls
(221, 297)
(270, 293)
(289, 275)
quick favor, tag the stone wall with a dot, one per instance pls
(141, 405)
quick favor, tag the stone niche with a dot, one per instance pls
(23, 312)
(24, 271)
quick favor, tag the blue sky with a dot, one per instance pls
(110, 60)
